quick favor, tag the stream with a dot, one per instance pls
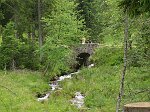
(78, 99)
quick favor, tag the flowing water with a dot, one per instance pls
(78, 99)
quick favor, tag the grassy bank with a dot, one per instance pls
(99, 84)
(18, 90)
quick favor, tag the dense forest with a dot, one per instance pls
(38, 39)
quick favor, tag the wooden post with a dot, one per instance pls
(137, 107)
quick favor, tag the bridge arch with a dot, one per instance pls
(82, 59)
(82, 52)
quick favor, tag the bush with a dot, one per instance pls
(14, 51)
(108, 56)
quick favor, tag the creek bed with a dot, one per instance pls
(78, 99)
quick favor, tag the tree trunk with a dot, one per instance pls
(29, 36)
(16, 26)
(33, 34)
(125, 64)
(13, 67)
(39, 27)
(13, 63)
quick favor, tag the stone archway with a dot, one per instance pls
(82, 60)
(81, 54)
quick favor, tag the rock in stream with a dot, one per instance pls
(78, 100)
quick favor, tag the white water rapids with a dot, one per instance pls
(78, 99)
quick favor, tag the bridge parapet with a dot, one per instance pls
(86, 48)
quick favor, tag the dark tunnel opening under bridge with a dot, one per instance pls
(82, 60)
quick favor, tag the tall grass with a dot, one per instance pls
(99, 84)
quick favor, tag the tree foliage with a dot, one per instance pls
(136, 7)
(63, 26)
(64, 30)
(92, 12)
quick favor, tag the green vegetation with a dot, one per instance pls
(0, 40)
(38, 41)
(98, 84)
(18, 90)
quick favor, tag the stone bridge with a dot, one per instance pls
(83, 52)
(86, 48)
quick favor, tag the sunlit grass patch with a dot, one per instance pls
(100, 85)
(18, 90)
